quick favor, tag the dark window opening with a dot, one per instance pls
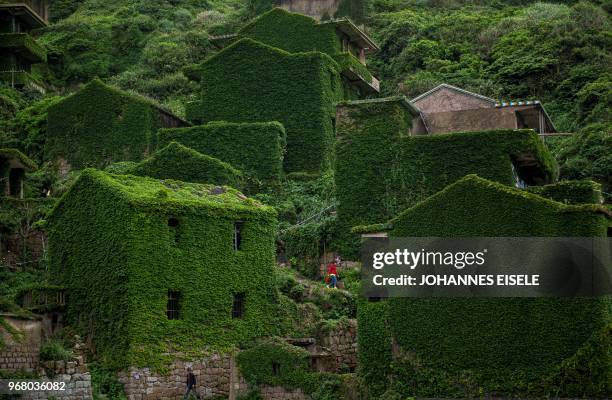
(15, 181)
(238, 305)
(173, 306)
(610, 231)
(238, 226)
(333, 122)
(374, 299)
(173, 224)
(275, 368)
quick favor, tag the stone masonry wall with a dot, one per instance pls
(280, 393)
(341, 344)
(73, 373)
(213, 376)
(20, 351)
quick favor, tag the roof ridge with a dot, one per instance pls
(455, 88)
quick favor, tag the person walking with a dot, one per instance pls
(191, 382)
(332, 273)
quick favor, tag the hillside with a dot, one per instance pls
(137, 87)
(557, 53)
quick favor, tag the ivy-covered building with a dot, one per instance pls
(255, 148)
(100, 124)
(19, 51)
(288, 68)
(466, 347)
(13, 167)
(152, 266)
(262, 83)
(340, 39)
(382, 166)
(178, 162)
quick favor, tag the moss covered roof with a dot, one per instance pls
(472, 181)
(149, 192)
(128, 95)
(14, 154)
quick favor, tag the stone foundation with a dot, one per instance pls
(341, 345)
(74, 373)
(280, 393)
(215, 375)
(20, 351)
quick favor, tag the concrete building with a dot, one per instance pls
(447, 108)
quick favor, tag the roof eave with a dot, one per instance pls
(31, 15)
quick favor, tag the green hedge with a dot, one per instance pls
(299, 90)
(292, 32)
(35, 52)
(254, 148)
(491, 346)
(99, 125)
(380, 169)
(178, 162)
(111, 246)
(571, 192)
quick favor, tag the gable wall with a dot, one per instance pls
(446, 99)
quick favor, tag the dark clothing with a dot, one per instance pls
(191, 380)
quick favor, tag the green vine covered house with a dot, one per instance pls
(100, 124)
(159, 265)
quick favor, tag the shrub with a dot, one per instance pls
(54, 350)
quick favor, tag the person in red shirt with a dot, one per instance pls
(332, 273)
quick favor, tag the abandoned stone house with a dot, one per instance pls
(18, 49)
(100, 124)
(336, 37)
(528, 336)
(13, 167)
(162, 267)
(288, 68)
(447, 108)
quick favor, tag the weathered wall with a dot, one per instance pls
(280, 393)
(313, 8)
(74, 373)
(446, 99)
(21, 349)
(481, 119)
(213, 375)
(341, 344)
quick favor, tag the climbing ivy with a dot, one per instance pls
(381, 169)
(178, 162)
(483, 346)
(99, 125)
(119, 243)
(254, 148)
(297, 89)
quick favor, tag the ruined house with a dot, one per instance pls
(19, 51)
(154, 269)
(288, 68)
(447, 108)
(13, 167)
(383, 166)
(525, 340)
(100, 124)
